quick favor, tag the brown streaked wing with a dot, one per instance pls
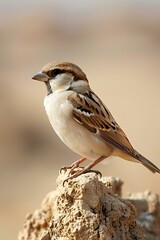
(91, 118)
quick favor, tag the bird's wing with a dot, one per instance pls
(89, 111)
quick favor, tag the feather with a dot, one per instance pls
(90, 112)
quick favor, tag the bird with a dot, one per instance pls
(82, 121)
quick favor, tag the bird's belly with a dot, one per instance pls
(72, 133)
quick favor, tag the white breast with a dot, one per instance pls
(73, 134)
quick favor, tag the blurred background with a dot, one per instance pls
(117, 44)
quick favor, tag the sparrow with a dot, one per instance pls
(82, 121)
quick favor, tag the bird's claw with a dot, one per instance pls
(80, 172)
(71, 167)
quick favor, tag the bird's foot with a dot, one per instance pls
(84, 169)
(73, 166)
(80, 172)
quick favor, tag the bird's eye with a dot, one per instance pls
(53, 73)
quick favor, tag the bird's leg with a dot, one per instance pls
(86, 169)
(77, 163)
(73, 165)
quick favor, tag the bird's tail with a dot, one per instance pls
(148, 164)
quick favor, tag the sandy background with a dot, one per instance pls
(117, 44)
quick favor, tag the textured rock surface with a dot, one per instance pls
(89, 208)
(148, 213)
(36, 223)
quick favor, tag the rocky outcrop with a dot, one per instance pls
(89, 208)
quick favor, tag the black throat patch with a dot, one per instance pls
(48, 86)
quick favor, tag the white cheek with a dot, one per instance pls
(61, 82)
(54, 85)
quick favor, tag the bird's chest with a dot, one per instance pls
(73, 134)
(58, 111)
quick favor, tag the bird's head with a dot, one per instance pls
(62, 76)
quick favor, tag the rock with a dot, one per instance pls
(86, 208)
(148, 213)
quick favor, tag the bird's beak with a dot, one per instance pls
(41, 76)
